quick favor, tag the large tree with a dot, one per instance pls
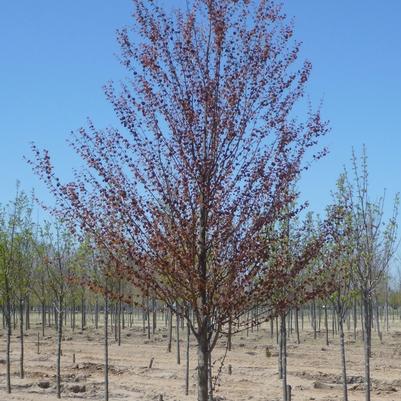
(182, 195)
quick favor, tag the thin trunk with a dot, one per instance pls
(73, 315)
(106, 344)
(229, 334)
(27, 313)
(170, 330)
(43, 318)
(355, 319)
(343, 360)
(284, 356)
(154, 315)
(326, 324)
(378, 321)
(386, 308)
(280, 355)
(302, 319)
(148, 315)
(271, 328)
(297, 326)
(187, 361)
(366, 344)
(119, 315)
(314, 320)
(8, 345)
(21, 333)
(83, 312)
(59, 337)
(143, 315)
(97, 313)
(178, 338)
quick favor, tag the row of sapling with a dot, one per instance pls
(35, 263)
(340, 260)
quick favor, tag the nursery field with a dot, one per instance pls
(314, 369)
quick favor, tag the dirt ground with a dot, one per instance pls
(313, 368)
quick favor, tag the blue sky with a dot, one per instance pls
(56, 55)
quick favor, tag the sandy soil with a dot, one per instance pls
(314, 369)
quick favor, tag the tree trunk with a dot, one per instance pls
(154, 316)
(74, 313)
(203, 363)
(271, 328)
(119, 314)
(283, 336)
(21, 333)
(148, 315)
(187, 362)
(170, 330)
(366, 344)
(143, 316)
(343, 360)
(83, 318)
(106, 345)
(386, 308)
(27, 313)
(314, 325)
(178, 338)
(355, 319)
(43, 318)
(229, 334)
(326, 325)
(297, 325)
(59, 337)
(97, 313)
(210, 396)
(378, 321)
(280, 355)
(8, 346)
(302, 319)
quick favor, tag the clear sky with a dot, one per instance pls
(56, 55)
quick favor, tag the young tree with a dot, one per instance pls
(58, 254)
(375, 241)
(39, 278)
(182, 194)
(6, 260)
(14, 242)
(23, 263)
(302, 272)
(342, 249)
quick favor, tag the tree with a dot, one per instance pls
(181, 196)
(344, 258)
(58, 254)
(375, 241)
(302, 270)
(23, 259)
(15, 239)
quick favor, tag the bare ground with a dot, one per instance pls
(313, 368)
